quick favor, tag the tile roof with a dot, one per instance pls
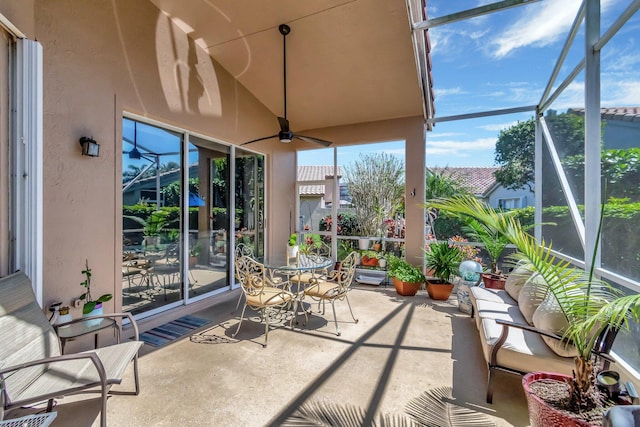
(314, 173)
(480, 180)
(627, 114)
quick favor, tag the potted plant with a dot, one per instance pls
(494, 243)
(443, 258)
(589, 306)
(292, 248)
(407, 279)
(91, 307)
(369, 258)
(194, 253)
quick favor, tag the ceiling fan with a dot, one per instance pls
(285, 135)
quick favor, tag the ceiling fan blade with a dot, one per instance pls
(314, 140)
(259, 139)
(284, 124)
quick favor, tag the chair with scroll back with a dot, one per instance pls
(334, 287)
(261, 294)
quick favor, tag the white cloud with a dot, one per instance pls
(459, 148)
(540, 24)
(443, 134)
(624, 93)
(496, 127)
(442, 92)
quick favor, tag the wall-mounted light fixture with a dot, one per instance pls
(89, 147)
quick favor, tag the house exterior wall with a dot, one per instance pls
(104, 58)
(621, 134)
(501, 192)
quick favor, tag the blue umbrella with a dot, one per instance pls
(195, 200)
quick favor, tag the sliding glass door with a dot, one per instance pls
(182, 208)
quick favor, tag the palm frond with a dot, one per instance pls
(437, 408)
(316, 413)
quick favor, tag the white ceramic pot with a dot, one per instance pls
(292, 251)
(97, 311)
(363, 244)
(382, 263)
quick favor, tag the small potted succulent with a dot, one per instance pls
(292, 248)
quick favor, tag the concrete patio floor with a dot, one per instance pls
(400, 348)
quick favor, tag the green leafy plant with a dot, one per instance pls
(402, 270)
(589, 305)
(443, 258)
(195, 250)
(293, 239)
(89, 302)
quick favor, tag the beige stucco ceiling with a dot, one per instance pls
(348, 61)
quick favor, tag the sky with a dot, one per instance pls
(504, 60)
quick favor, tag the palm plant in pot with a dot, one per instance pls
(494, 244)
(443, 258)
(592, 312)
(407, 279)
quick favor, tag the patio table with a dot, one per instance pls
(292, 267)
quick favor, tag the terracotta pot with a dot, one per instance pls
(407, 289)
(439, 290)
(377, 247)
(540, 413)
(493, 282)
(193, 260)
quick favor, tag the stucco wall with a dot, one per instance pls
(106, 57)
(102, 58)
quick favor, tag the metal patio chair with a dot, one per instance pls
(334, 287)
(261, 294)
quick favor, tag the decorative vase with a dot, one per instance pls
(439, 290)
(363, 244)
(292, 251)
(382, 263)
(540, 413)
(97, 311)
(407, 289)
(492, 281)
(464, 300)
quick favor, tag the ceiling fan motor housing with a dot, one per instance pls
(285, 136)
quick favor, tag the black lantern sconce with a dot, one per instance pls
(89, 147)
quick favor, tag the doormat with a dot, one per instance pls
(164, 334)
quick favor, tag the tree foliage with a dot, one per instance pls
(376, 185)
(515, 148)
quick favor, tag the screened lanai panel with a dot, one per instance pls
(558, 226)
(620, 94)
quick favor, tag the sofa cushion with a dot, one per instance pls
(495, 295)
(523, 351)
(549, 317)
(517, 278)
(531, 296)
(497, 310)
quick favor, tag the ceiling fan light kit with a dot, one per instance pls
(285, 135)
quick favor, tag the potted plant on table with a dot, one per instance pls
(443, 258)
(591, 311)
(292, 247)
(407, 279)
(91, 307)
